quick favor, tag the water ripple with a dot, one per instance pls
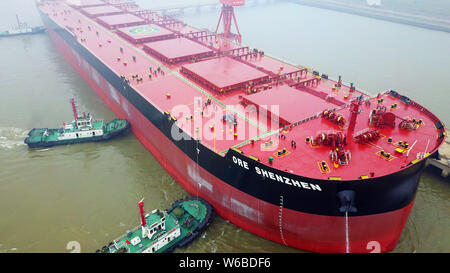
(11, 137)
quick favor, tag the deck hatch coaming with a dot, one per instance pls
(85, 3)
(97, 11)
(292, 105)
(145, 33)
(177, 50)
(224, 73)
(120, 20)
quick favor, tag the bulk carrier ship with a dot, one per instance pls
(282, 151)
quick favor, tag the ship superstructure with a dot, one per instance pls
(164, 230)
(22, 29)
(280, 150)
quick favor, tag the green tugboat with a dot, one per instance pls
(82, 129)
(164, 230)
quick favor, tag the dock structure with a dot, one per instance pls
(443, 164)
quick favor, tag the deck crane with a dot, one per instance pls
(226, 15)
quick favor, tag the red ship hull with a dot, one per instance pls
(319, 233)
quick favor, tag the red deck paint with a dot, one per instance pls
(224, 74)
(177, 50)
(85, 3)
(120, 20)
(101, 11)
(272, 65)
(183, 29)
(288, 98)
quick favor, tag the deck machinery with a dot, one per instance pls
(283, 151)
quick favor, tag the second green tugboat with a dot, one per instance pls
(163, 231)
(82, 129)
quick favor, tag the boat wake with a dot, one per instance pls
(11, 137)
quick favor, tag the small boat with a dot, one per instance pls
(82, 129)
(22, 29)
(164, 230)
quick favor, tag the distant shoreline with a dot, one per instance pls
(380, 13)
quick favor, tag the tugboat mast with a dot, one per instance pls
(141, 209)
(18, 22)
(75, 112)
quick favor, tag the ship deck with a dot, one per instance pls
(223, 74)
(101, 11)
(289, 97)
(85, 3)
(177, 50)
(120, 20)
(145, 33)
(180, 75)
(365, 158)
